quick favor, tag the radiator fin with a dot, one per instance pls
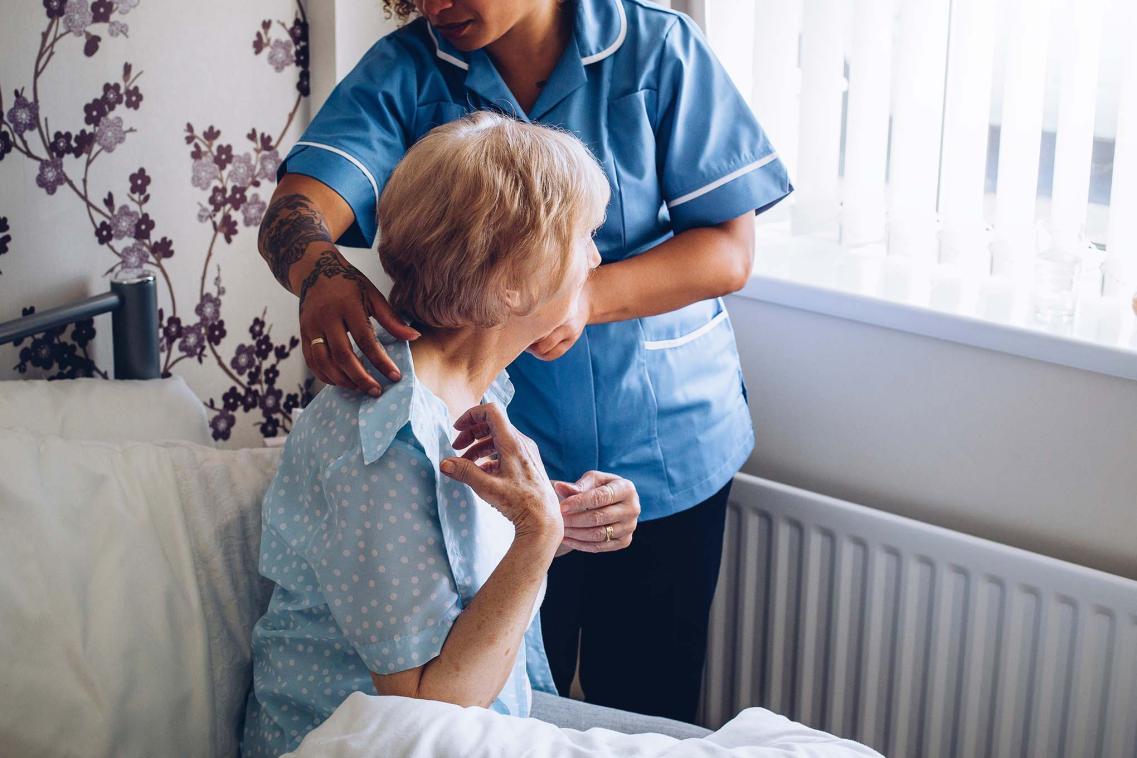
(916, 640)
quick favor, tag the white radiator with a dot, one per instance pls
(916, 640)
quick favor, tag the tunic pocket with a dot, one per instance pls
(693, 366)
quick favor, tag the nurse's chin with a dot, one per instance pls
(470, 43)
(471, 39)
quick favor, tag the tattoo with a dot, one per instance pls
(290, 225)
(331, 264)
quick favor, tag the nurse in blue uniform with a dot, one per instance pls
(644, 380)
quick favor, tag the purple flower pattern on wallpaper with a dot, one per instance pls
(5, 237)
(234, 180)
(53, 351)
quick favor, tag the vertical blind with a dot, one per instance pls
(972, 132)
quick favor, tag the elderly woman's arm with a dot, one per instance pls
(479, 652)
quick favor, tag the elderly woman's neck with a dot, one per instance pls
(459, 365)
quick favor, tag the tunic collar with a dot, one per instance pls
(600, 28)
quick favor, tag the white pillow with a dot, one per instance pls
(128, 591)
(97, 409)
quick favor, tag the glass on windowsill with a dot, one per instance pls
(1054, 294)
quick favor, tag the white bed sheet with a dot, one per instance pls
(396, 727)
(128, 590)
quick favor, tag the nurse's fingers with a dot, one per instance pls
(599, 533)
(310, 360)
(550, 352)
(598, 547)
(324, 367)
(359, 326)
(387, 317)
(599, 495)
(560, 349)
(622, 513)
(344, 360)
(565, 489)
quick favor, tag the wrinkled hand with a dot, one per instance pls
(557, 342)
(594, 502)
(335, 299)
(504, 467)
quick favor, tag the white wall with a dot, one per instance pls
(1032, 454)
(341, 31)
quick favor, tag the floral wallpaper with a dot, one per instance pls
(138, 135)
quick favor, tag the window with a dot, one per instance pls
(976, 134)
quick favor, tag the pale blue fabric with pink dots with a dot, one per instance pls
(373, 554)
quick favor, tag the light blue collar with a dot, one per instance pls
(408, 400)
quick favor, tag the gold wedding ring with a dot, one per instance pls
(317, 341)
(608, 533)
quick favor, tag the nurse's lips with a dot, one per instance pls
(455, 31)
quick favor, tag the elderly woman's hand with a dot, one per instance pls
(504, 467)
(600, 512)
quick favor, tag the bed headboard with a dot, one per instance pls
(133, 305)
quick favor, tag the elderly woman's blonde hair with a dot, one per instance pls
(480, 205)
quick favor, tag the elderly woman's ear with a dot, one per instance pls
(513, 299)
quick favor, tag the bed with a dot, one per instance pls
(129, 587)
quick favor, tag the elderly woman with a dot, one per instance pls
(401, 566)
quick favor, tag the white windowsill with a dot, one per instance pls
(819, 276)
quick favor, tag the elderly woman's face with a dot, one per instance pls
(473, 24)
(558, 307)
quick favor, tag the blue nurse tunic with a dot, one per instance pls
(658, 400)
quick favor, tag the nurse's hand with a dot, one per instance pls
(600, 511)
(335, 299)
(557, 342)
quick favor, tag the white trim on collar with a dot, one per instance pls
(583, 61)
(445, 56)
(615, 45)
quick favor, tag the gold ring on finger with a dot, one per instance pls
(609, 533)
(317, 341)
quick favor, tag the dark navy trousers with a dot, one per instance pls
(639, 616)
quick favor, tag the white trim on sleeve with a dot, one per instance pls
(688, 337)
(723, 180)
(352, 159)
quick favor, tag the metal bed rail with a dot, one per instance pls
(133, 305)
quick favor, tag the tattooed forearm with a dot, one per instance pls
(331, 263)
(290, 225)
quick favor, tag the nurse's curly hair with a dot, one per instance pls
(400, 9)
